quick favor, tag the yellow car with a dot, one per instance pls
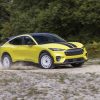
(45, 49)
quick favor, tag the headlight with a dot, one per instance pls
(56, 49)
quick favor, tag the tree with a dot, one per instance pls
(77, 20)
(4, 14)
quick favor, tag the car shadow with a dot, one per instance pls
(66, 67)
(33, 66)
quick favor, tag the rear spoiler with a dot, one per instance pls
(0, 35)
(2, 39)
(8, 38)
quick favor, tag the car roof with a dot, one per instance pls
(32, 34)
(36, 34)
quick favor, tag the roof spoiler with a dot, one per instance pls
(9, 38)
(6, 39)
(0, 35)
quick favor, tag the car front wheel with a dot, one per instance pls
(6, 61)
(46, 61)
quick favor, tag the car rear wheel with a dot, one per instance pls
(6, 61)
(77, 64)
(46, 61)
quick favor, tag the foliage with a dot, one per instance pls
(74, 20)
(93, 50)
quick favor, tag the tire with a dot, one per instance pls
(6, 61)
(46, 61)
(77, 64)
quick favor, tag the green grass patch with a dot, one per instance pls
(93, 50)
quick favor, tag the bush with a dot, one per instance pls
(93, 50)
(74, 20)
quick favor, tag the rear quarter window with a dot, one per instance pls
(16, 41)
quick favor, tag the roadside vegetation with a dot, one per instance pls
(74, 20)
(93, 50)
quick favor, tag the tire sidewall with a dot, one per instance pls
(52, 61)
(10, 61)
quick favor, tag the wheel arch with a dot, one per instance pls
(3, 62)
(5, 53)
(52, 64)
(45, 51)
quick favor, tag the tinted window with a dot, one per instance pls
(27, 40)
(16, 41)
(41, 39)
(47, 38)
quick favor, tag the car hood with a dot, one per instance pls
(67, 45)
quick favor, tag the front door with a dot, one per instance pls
(29, 48)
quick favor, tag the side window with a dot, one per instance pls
(28, 40)
(16, 41)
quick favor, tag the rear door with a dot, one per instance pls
(17, 48)
(23, 48)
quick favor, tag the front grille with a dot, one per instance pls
(75, 60)
(72, 52)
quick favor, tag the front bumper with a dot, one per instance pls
(81, 58)
(74, 60)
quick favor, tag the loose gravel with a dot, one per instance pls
(25, 82)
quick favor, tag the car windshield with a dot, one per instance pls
(47, 38)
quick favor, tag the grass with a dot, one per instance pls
(93, 50)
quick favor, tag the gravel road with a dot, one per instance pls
(90, 66)
(25, 82)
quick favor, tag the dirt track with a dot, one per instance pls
(62, 83)
(90, 66)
